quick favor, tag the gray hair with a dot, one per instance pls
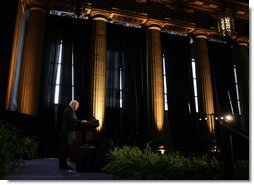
(73, 102)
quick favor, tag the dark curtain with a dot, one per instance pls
(220, 56)
(74, 34)
(181, 110)
(126, 61)
(82, 67)
(222, 62)
(8, 17)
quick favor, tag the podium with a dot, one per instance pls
(89, 151)
(86, 134)
(86, 159)
(88, 131)
(91, 158)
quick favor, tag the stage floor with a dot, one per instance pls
(47, 169)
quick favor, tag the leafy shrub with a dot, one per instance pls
(8, 146)
(132, 163)
(28, 148)
(14, 147)
(242, 170)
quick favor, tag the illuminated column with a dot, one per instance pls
(241, 56)
(99, 68)
(205, 90)
(16, 57)
(32, 57)
(155, 80)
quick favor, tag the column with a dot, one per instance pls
(155, 82)
(205, 90)
(98, 57)
(32, 57)
(16, 56)
(241, 56)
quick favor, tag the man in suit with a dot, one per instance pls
(67, 133)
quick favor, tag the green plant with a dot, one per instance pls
(132, 163)
(14, 147)
(28, 148)
(242, 169)
(8, 146)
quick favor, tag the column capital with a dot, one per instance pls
(154, 25)
(99, 15)
(200, 34)
(37, 4)
(243, 41)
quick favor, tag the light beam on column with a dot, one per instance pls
(32, 58)
(205, 80)
(156, 72)
(99, 68)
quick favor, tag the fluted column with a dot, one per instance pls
(32, 59)
(205, 90)
(99, 68)
(16, 56)
(155, 80)
(241, 56)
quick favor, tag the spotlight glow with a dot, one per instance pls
(229, 118)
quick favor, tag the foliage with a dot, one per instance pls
(132, 163)
(242, 169)
(8, 138)
(28, 148)
(13, 147)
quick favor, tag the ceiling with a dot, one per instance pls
(176, 15)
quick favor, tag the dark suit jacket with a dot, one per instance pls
(70, 121)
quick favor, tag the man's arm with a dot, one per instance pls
(72, 118)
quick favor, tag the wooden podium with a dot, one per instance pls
(86, 134)
(88, 131)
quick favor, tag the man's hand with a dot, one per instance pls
(83, 121)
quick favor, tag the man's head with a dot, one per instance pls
(74, 104)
